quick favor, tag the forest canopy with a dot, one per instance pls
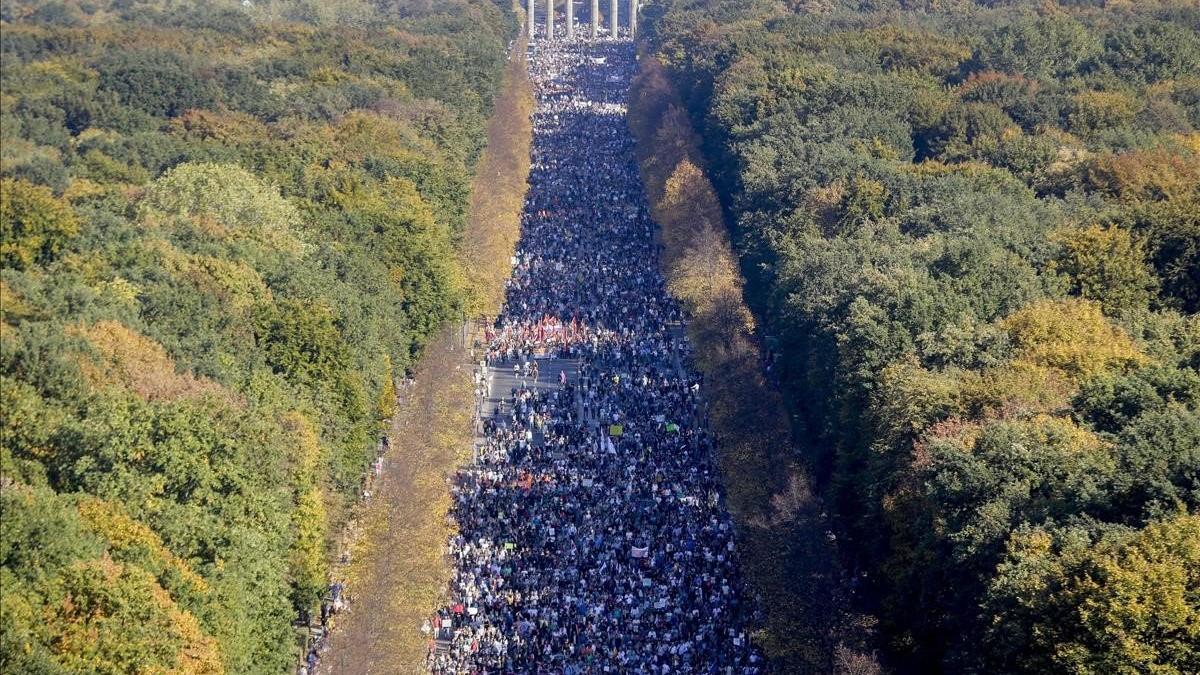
(228, 227)
(972, 229)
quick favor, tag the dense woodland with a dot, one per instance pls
(971, 234)
(227, 228)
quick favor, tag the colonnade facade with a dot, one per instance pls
(614, 15)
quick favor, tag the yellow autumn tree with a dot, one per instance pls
(1105, 264)
(34, 224)
(131, 360)
(114, 618)
(1125, 604)
(689, 208)
(236, 202)
(307, 564)
(127, 537)
(1072, 336)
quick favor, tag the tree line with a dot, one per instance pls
(781, 532)
(399, 568)
(973, 230)
(228, 228)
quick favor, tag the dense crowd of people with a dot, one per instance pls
(592, 537)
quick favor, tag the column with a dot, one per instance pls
(633, 11)
(529, 16)
(549, 19)
(571, 19)
(612, 17)
(595, 17)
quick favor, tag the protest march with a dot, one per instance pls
(592, 535)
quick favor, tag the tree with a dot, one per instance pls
(1160, 463)
(70, 607)
(1152, 51)
(1040, 47)
(969, 131)
(238, 204)
(203, 311)
(302, 342)
(987, 341)
(113, 618)
(1070, 335)
(1095, 111)
(1105, 264)
(35, 226)
(1126, 603)
(156, 81)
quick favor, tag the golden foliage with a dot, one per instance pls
(688, 204)
(767, 491)
(1142, 596)
(1098, 110)
(306, 454)
(386, 405)
(700, 266)
(1015, 389)
(34, 224)
(116, 618)
(235, 283)
(398, 569)
(1065, 433)
(1134, 592)
(140, 364)
(1145, 175)
(1059, 344)
(498, 193)
(910, 398)
(1106, 265)
(224, 126)
(361, 134)
(308, 562)
(1071, 336)
(123, 532)
(82, 188)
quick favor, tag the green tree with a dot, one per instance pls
(237, 202)
(1041, 47)
(156, 81)
(1152, 51)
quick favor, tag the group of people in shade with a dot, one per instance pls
(592, 536)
